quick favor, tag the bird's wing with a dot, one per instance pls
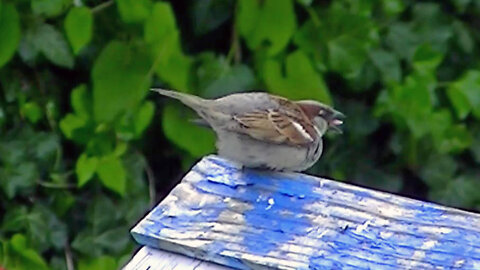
(274, 126)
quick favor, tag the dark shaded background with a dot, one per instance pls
(86, 149)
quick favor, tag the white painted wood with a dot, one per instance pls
(148, 258)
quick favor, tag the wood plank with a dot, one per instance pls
(250, 219)
(148, 258)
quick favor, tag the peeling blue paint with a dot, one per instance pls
(276, 211)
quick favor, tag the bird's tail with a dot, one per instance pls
(192, 101)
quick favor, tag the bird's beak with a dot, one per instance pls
(336, 121)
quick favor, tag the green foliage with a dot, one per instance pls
(78, 27)
(9, 27)
(76, 128)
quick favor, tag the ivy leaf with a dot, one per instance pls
(464, 94)
(112, 173)
(426, 59)
(460, 191)
(387, 64)
(207, 15)
(32, 111)
(270, 21)
(133, 11)
(81, 101)
(16, 178)
(25, 256)
(161, 33)
(99, 263)
(402, 39)
(78, 27)
(121, 79)
(85, 168)
(438, 171)
(217, 78)
(49, 8)
(463, 36)
(393, 7)
(195, 140)
(10, 29)
(53, 45)
(410, 105)
(301, 80)
(143, 117)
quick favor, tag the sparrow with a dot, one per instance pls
(260, 130)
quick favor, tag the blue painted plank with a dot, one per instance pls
(252, 219)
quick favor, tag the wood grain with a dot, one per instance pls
(250, 219)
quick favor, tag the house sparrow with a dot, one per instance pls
(260, 130)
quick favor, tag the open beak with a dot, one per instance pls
(336, 121)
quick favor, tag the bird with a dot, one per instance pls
(262, 130)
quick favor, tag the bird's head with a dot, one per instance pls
(323, 116)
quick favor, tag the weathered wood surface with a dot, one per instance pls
(149, 258)
(250, 219)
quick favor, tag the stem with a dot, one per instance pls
(151, 184)
(102, 6)
(235, 52)
(313, 16)
(56, 186)
(68, 257)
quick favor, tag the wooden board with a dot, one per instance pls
(148, 258)
(249, 219)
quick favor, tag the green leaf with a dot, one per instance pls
(393, 7)
(402, 39)
(305, 2)
(85, 168)
(216, 77)
(271, 22)
(53, 45)
(26, 257)
(341, 40)
(176, 125)
(438, 171)
(143, 117)
(161, 33)
(10, 29)
(78, 27)
(49, 8)
(121, 79)
(81, 101)
(76, 128)
(410, 104)
(16, 178)
(32, 111)
(208, 15)
(455, 139)
(112, 174)
(346, 55)
(460, 191)
(301, 80)
(387, 64)
(44, 229)
(99, 263)
(133, 11)
(464, 94)
(426, 60)
(463, 36)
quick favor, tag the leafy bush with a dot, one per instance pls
(77, 128)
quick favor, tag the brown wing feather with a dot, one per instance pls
(273, 126)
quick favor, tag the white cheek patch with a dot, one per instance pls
(302, 131)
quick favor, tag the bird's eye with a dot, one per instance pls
(321, 112)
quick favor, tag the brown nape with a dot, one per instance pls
(310, 108)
